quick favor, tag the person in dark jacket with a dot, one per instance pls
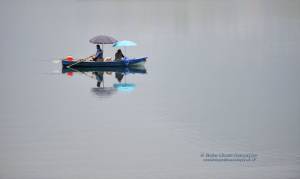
(119, 55)
(99, 54)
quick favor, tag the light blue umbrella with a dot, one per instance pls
(127, 87)
(124, 43)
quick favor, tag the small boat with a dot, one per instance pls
(123, 63)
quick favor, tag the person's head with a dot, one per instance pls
(98, 46)
(119, 51)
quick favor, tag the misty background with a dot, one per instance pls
(223, 76)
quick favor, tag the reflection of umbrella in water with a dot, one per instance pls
(127, 87)
(103, 91)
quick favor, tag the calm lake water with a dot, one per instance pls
(222, 77)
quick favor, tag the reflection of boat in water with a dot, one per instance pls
(130, 69)
(99, 73)
(123, 63)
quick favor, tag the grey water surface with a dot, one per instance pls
(222, 77)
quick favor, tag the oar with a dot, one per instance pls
(79, 61)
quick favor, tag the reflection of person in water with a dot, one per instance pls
(119, 76)
(99, 77)
(119, 55)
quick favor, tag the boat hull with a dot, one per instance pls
(129, 69)
(122, 63)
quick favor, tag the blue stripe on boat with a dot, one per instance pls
(118, 69)
(128, 62)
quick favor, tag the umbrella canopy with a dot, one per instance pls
(124, 43)
(103, 39)
(127, 87)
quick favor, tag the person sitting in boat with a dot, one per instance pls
(119, 55)
(99, 54)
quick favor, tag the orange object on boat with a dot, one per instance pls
(69, 58)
